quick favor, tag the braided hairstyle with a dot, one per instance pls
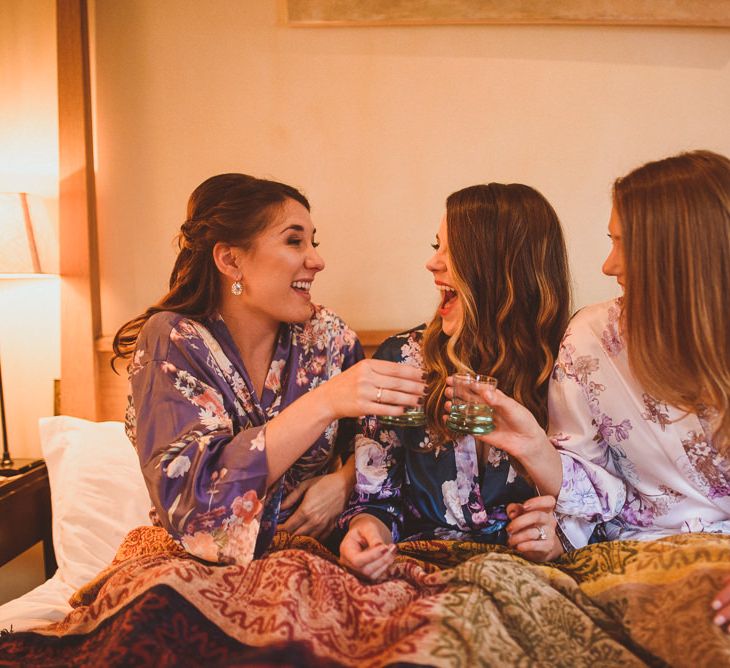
(228, 208)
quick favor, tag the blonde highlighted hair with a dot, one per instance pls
(675, 226)
(510, 270)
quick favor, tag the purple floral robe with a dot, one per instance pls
(633, 467)
(199, 428)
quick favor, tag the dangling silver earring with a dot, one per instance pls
(236, 288)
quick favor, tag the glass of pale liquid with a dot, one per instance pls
(470, 414)
(411, 417)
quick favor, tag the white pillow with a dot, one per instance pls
(97, 493)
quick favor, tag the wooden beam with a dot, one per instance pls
(79, 257)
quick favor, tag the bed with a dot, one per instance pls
(125, 594)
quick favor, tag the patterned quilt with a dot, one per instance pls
(446, 604)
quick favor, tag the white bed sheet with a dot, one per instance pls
(98, 494)
(45, 604)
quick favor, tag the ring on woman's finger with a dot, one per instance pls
(379, 395)
(541, 535)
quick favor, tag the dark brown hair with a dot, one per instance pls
(675, 227)
(229, 208)
(510, 270)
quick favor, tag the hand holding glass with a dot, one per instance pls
(412, 416)
(470, 414)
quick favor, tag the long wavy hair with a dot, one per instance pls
(510, 270)
(675, 226)
(229, 208)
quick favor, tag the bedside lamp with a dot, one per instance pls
(19, 258)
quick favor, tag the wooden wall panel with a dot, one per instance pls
(79, 266)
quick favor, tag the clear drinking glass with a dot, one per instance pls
(413, 416)
(470, 414)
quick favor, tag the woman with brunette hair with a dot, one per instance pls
(501, 268)
(238, 381)
(639, 396)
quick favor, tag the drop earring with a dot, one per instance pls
(236, 288)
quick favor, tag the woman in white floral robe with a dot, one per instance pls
(633, 466)
(639, 396)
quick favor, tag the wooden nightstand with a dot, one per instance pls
(25, 516)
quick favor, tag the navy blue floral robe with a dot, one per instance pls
(430, 493)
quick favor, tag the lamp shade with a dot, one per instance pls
(25, 233)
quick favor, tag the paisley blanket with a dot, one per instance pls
(446, 604)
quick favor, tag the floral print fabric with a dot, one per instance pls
(199, 428)
(633, 467)
(422, 493)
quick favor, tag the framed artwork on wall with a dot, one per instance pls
(324, 13)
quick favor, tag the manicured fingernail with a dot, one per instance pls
(719, 620)
(716, 605)
(424, 375)
(392, 547)
(421, 401)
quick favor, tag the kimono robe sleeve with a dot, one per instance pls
(590, 493)
(379, 465)
(207, 480)
(378, 478)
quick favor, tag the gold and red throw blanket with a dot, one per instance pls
(446, 604)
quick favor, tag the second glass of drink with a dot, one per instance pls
(470, 414)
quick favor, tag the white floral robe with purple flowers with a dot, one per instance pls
(199, 428)
(633, 467)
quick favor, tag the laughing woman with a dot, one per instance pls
(238, 381)
(501, 268)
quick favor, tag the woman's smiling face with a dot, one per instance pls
(439, 265)
(278, 271)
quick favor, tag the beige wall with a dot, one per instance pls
(378, 126)
(29, 309)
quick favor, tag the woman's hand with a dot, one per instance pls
(517, 432)
(374, 387)
(532, 531)
(324, 499)
(367, 548)
(721, 606)
(370, 387)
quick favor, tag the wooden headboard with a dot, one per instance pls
(112, 387)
